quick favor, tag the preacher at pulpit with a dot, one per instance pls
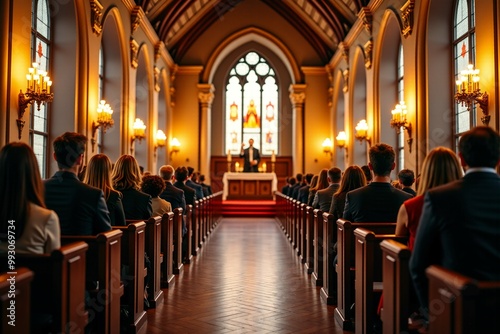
(251, 156)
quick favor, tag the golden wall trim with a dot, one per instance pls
(96, 16)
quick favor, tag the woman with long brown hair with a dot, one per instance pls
(98, 174)
(353, 178)
(24, 220)
(321, 184)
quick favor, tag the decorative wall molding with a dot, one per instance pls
(365, 15)
(96, 16)
(407, 17)
(134, 52)
(368, 50)
(345, 75)
(344, 47)
(157, 78)
(135, 18)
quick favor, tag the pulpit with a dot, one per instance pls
(249, 186)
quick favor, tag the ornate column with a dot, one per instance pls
(205, 98)
(298, 97)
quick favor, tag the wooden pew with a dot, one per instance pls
(368, 277)
(193, 217)
(459, 304)
(295, 223)
(15, 288)
(153, 249)
(58, 289)
(167, 249)
(329, 290)
(396, 286)
(177, 264)
(103, 266)
(133, 274)
(309, 239)
(318, 247)
(302, 232)
(345, 266)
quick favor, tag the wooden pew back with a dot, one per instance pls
(103, 266)
(177, 264)
(318, 247)
(19, 293)
(154, 251)
(345, 266)
(58, 287)
(462, 305)
(167, 249)
(396, 286)
(329, 289)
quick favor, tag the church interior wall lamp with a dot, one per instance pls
(399, 121)
(161, 139)
(139, 133)
(341, 140)
(327, 146)
(175, 146)
(37, 90)
(104, 120)
(468, 92)
(362, 132)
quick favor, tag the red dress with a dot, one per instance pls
(414, 208)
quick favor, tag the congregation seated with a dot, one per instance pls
(406, 178)
(321, 183)
(98, 174)
(81, 208)
(25, 221)
(127, 179)
(323, 197)
(207, 189)
(191, 182)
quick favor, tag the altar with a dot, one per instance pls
(249, 186)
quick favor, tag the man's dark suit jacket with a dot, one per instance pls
(376, 202)
(323, 197)
(189, 193)
(285, 189)
(460, 230)
(293, 190)
(174, 195)
(136, 204)
(303, 194)
(115, 207)
(207, 190)
(198, 188)
(246, 156)
(81, 208)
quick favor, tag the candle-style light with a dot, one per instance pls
(341, 140)
(399, 121)
(468, 92)
(362, 131)
(104, 120)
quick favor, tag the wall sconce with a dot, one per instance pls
(342, 142)
(175, 146)
(399, 121)
(362, 132)
(468, 92)
(139, 132)
(104, 120)
(327, 146)
(161, 139)
(37, 90)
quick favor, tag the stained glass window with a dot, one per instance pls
(252, 105)
(401, 96)
(464, 50)
(40, 47)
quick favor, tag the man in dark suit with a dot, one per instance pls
(379, 201)
(406, 178)
(460, 224)
(323, 197)
(181, 176)
(294, 190)
(171, 193)
(82, 209)
(191, 182)
(207, 189)
(304, 190)
(251, 157)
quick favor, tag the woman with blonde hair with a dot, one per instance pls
(126, 178)
(98, 174)
(24, 220)
(312, 192)
(440, 166)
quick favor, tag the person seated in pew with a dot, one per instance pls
(323, 197)
(310, 194)
(378, 201)
(191, 182)
(98, 174)
(207, 189)
(172, 194)
(460, 224)
(126, 178)
(304, 190)
(322, 183)
(81, 208)
(153, 185)
(181, 177)
(353, 178)
(406, 179)
(22, 208)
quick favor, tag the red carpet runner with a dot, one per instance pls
(242, 208)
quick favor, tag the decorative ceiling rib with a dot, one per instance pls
(324, 23)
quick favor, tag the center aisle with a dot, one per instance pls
(246, 279)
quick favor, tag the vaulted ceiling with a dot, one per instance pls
(324, 23)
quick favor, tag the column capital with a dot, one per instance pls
(206, 93)
(297, 94)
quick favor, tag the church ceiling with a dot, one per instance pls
(324, 23)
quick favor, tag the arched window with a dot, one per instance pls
(464, 49)
(401, 97)
(40, 52)
(252, 105)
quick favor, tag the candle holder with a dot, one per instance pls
(399, 121)
(469, 93)
(362, 132)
